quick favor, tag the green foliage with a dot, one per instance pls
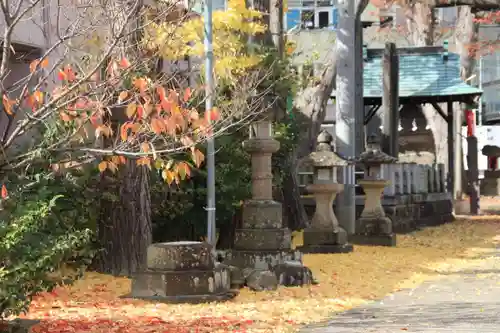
(46, 237)
(178, 211)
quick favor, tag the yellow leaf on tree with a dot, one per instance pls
(131, 109)
(168, 176)
(144, 161)
(157, 125)
(103, 166)
(197, 157)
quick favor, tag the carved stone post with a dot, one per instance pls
(325, 234)
(374, 227)
(262, 243)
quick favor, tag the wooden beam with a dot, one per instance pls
(390, 101)
(440, 111)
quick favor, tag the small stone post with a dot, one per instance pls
(325, 234)
(374, 227)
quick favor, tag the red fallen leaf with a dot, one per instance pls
(5, 194)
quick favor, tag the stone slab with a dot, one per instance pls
(189, 299)
(263, 214)
(262, 239)
(376, 240)
(180, 256)
(324, 237)
(326, 248)
(260, 259)
(180, 283)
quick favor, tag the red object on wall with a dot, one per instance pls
(469, 116)
(492, 163)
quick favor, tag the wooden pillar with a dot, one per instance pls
(457, 155)
(472, 163)
(450, 176)
(390, 101)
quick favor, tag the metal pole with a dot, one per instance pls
(480, 109)
(209, 54)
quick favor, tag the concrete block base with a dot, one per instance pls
(325, 248)
(376, 240)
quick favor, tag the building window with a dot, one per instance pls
(311, 14)
(323, 19)
(307, 19)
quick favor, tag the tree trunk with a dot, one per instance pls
(310, 105)
(466, 35)
(125, 229)
(420, 18)
(310, 113)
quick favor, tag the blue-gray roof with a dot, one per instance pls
(421, 74)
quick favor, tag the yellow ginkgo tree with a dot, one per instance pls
(231, 29)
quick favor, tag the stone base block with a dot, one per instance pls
(263, 260)
(324, 237)
(175, 256)
(325, 248)
(374, 225)
(262, 214)
(195, 283)
(262, 239)
(377, 240)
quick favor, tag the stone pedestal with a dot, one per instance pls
(262, 242)
(182, 272)
(374, 227)
(325, 235)
(490, 184)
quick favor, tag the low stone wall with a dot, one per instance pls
(490, 184)
(407, 212)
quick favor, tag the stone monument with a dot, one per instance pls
(182, 272)
(325, 234)
(262, 242)
(374, 227)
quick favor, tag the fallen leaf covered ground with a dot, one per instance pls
(346, 280)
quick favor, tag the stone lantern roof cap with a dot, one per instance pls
(375, 157)
(324, 156)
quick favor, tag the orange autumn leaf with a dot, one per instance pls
(187, 94)
(124, 130)
(197, 157)
(122, 159)
(140, 111)
(64, 116)
(183, 170)
(141, 84)
(103, 166)
(157, 126)
(5, 194)
(35, 63)
(212, 115)
(123, 96)
(8, 105)
(144, 161)
(124, 63)
(145, 147)
(38, 96)
(162, 94)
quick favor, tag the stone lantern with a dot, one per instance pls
(325, 234)
(374, 227)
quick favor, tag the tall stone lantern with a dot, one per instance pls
(262, 242)
(374, 227)
(325, 234)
